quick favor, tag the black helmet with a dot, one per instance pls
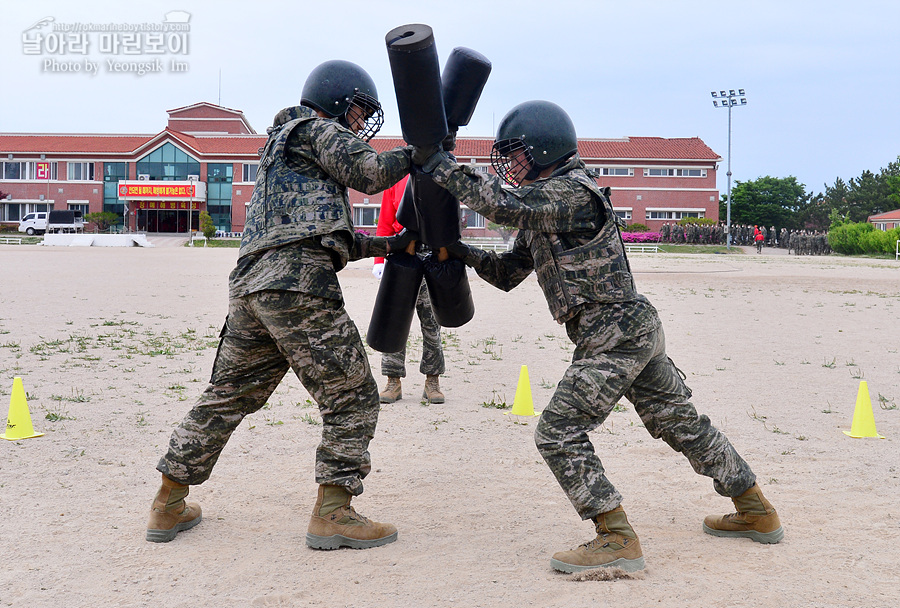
(335, 87)
(542, 131)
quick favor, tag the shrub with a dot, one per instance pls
(640, 237)
(699, 221)
(879, 241)
(206, 225)
(638, 227)
(861, 238)
(103, 219)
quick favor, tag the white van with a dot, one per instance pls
(34, 223)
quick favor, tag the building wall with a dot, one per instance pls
(636, 195)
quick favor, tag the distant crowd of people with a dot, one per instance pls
(800, 242)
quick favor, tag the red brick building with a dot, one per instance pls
(885, 221)
(206, 158)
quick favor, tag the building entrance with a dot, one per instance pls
(167, 220)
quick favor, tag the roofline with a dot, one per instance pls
(20, 134)
(240, 113)
(648, 158)
(205, 103)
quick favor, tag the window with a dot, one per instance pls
(472, 219)
(168, 163)
(624, 214)
(80, 172)
(112, 173)
(10, 212)
(652, 172)
(690, 172)
(82, 206)
(662, 214)
(249, 172)
(218, 194)
(366, 216)
(28, 170)
(620, 171)
(13, 212)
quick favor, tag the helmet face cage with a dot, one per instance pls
(366, 108)
(512, 160)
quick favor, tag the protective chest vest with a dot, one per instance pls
(597, 271)
(287, 205)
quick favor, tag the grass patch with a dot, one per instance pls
(226, 243)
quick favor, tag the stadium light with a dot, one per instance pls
(729, 100)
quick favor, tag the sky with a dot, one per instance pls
(821, 77)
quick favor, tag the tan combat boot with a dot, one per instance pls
(170, 514)
(335, 524)
(755, 519)
(392, 391)
(616, 546)
(432, 392)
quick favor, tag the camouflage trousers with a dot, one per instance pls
(432, 363)
(266, 333)
(637, 368)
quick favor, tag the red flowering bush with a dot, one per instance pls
(640, 237)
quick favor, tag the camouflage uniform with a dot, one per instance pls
(286, 309)
(568, 236)
(393, 365)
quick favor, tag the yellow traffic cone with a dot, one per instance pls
(863, 419)
(523, 404)
(18, 422)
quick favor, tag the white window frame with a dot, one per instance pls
(477, 218)
(83, 206)
(673, 213)
(616, 171)
(673, 172)
(28, 172)
(245, 171)
(623, 212)
(83, 167)
(359, 211)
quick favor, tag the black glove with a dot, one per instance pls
(420, 154)
(434, 160)
(458, 250)
(401, 240)
(449, 143)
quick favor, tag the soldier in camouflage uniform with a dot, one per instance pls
(393, 365)
(569, 237)
(286, 310)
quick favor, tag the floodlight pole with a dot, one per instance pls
(728, 99)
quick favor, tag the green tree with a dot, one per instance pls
(816, 214)
(893, 182)
(868, 195)
(835, 202)
(767, 201)
(505, 231)
(103, 219)
(206, 225)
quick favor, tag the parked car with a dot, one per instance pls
(34, 223)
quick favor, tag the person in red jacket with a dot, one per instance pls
(758, 236)
(393, 365)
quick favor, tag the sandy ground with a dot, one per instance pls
(114, 345)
